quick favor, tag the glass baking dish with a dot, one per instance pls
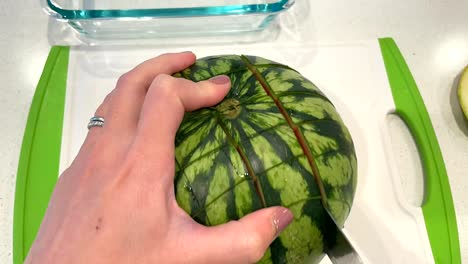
(120, 19)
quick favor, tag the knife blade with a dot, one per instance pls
(341, 251)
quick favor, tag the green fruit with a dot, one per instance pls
(463, 92)
(275, 139)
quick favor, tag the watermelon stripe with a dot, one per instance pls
(246, 161)
(259, 175)
(201, 144)
(199, 186)
(279, 164)
(231, 205)
(231, 196)
(303, 200)
(300, 115)
(187, 185)
(311, 94)
(297, 132)
(329, 152)
(273, 196)
(207, 204)
(247, 88)
(195, 126)
(278, 252)
(186, 75)
(278, 146)
(275, 65)
(272, 128)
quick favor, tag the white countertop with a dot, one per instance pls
(432, 35)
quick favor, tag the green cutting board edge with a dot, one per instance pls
(438, 209)
(38, 166)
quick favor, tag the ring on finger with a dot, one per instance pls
(96, 121)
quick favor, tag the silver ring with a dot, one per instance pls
(96, 121)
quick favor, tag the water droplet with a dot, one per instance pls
(243, 175)
(188, 187)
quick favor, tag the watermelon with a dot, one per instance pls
(275, 139)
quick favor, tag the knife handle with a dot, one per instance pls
(438, 208)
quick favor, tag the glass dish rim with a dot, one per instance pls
(73, 14)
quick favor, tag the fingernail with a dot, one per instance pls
(221, 79)
(188, 51)
(281, 219)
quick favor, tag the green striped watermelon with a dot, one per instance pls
(275, 139)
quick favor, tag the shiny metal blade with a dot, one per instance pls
(341, 251)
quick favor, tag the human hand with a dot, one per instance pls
(116, 202)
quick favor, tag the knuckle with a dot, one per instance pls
(126, 85)
(163, 84)
(162, 80)
(126, 79)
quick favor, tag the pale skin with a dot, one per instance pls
(116, 203)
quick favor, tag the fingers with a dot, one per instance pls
(248, 238)
(123, 110)
(166, 102)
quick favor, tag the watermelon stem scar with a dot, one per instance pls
(230, 108)
(297, 132)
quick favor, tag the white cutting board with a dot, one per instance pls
(383, 226)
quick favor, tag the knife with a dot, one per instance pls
(341, 251)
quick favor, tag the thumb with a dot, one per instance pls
(245, 240)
